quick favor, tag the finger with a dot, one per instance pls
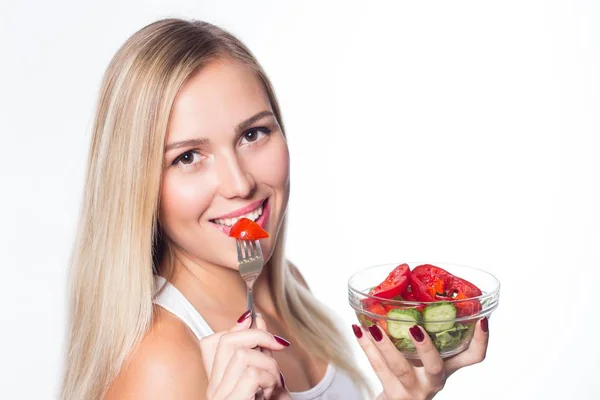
(395, 360)
(248, 339)
(208, 344)
(476, 351)
(243, 322)
(242, 360)
(251, 381)
(380, 367)
(430, 357)
(261, 324)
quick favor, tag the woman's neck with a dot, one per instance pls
(218, 288)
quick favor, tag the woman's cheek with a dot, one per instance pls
(271, 166)
(184, 197)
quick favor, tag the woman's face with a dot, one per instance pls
(225, 158)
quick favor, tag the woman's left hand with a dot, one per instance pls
(402, 380)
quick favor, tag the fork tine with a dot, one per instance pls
(249, 249)
(252, 246)
(239, 250)
(245, 247)
(258, 249)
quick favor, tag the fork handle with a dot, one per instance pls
(250, 306)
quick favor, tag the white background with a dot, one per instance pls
(465, 132)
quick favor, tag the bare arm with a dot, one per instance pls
(171, 364)
(166, 365)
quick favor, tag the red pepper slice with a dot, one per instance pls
(420, 290)
(246, 229)
(459, 289)
(430, 283)
(395, 283)
(408, 295)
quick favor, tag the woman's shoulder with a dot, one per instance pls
(166, 364)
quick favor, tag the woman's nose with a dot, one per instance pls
(234, 179)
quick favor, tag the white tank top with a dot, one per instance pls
(335, 385)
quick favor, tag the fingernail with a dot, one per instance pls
(244, 316)
(357, 331)
(282, 341)
(376, 333)
(282, 379)
(417, 333)
(484, 325)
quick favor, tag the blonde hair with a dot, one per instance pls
(119, 241)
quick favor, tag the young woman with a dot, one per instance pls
(188, 136)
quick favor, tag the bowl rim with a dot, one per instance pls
(481, 298)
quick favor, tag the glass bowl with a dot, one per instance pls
(449, 335)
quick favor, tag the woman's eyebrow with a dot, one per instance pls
(186, 143)
(242, 126)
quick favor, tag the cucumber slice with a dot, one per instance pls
(408, 318)
(442, 311)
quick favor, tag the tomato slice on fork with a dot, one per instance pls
(246, 229)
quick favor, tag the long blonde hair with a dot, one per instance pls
(119, 241)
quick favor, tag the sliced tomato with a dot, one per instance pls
(379, 310)
(246, 229)
(395, 283)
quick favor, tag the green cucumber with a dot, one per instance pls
(364, 321)
(442, 311)
(407, 318)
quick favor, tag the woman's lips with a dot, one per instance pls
(262, 220)
(242, 211)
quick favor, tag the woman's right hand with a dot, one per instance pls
(236, 369)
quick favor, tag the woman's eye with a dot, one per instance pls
(188, 159)
(254, 135)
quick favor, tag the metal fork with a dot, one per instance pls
(250, 260)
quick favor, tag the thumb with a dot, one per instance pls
(260, 322)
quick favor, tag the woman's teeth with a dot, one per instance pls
(254, 215)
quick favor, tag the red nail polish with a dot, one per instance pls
(244, 316)
(357, 331)
(376, 333)
(282, 379)
(282, 341)
(417, 333)
(484, 324)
